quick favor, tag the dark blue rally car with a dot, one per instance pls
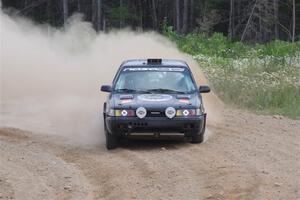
(153, 98)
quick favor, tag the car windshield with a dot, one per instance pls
(155, 80)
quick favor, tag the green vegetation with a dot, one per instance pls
(264, 78)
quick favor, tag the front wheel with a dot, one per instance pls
(112, 141)
(197, 138)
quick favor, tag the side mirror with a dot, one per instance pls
(106, 88)
(204, 89)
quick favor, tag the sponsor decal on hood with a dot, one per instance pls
(155, 97)
(126, 98)
(183, 98)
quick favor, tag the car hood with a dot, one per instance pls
(156, 100)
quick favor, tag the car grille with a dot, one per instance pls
(155, 113)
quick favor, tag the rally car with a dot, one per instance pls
(153, 98)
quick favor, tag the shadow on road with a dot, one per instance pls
(153, 144)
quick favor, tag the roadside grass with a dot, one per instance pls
(263, 78)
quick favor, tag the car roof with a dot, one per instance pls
(163, 63)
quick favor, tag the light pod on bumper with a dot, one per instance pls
(141, 112)
(170, 112)
(122, 113)
(188, 112)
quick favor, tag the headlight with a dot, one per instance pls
(188, 112)
(121, 113)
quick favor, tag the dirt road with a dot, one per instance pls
(246, 157)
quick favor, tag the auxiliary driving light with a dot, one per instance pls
(170, 112)
(124, 113)
(185, 112)
(121, 113)
(188, 112)
(141, 112)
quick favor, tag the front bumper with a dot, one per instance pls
(126, 126)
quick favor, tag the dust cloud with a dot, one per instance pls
(50, 78)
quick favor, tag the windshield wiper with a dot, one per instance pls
(125, 90)
(166, 91)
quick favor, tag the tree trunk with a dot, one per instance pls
(231, 21)
(248, 21)
(154, 15)
(185, 16)
(78, 6)
(260, 22)
(49, 16)
(275, 7)
(121, 18)
(141, 15)
(192, 14)
(104, 24)
(99, 15)
(294, 21)
(238, 13)
(49, 6)
(65, 10)
(94, 13)
(177, 7)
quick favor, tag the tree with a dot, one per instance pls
(185, 16)
(231, 20)
(177, 14)
(97, 14)
(294, 21)
(260, 22)
(140, 8)
(192, 13)
(78, 6)
(154, 15)
(121, 18)
(49, 13)
(275, 5)
(65, 10)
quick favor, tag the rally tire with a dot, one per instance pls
(112, 142)
(197, 138)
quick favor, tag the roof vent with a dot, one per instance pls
(155, 61)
